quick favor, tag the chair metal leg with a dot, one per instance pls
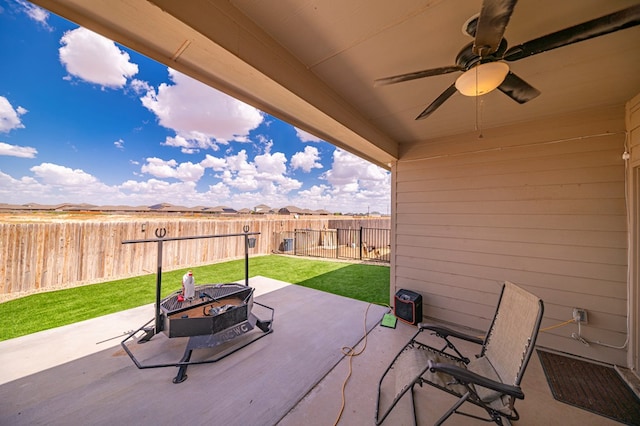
(453, 409)
(409, 386)
(394, 403)
(413, 406)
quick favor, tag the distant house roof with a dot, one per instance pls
(262, 209)
(5, 206)
(121, 208)
(161, 208)
(220, 210)
(291, 210)
(297, 210)
(167, 207)
(36, 206)
(76, 207)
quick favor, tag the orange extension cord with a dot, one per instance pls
(351, 352)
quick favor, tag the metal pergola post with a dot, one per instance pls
(160, 233)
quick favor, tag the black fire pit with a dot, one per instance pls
(218, 314)
(217, 308)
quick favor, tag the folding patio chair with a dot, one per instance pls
(491, 380)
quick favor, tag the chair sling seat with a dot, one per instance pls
(413, 363)
(490, 380)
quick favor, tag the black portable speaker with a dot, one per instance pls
(408, 306)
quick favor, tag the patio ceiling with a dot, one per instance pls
(312, 63)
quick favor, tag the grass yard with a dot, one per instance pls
(369, 283)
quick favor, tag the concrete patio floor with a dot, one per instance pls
(34, 367)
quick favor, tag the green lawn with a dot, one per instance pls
(30, 314)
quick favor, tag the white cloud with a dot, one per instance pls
(242, 183)
(21, 191)
(316, 197)
(159, 168)
(214, 163)
(234, 171)
(348, 168)
(189, 172)
(272, 170)
(271, 166)
(201, 116)
(119, 144)
(179, 142)
(160, 189)
(306, 160)
(95, 59)
(9, 117)
(193, 145)
(356, 182)
(140, 87)
(54, 184)
(28, 189)
(17, 151)
(239, 163)
(287, 184)
(186, 172)
(53, 174)
(221, 191)
(266, 175)
(306, 136)
(239, 173)
(36, 13)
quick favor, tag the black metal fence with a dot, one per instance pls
(361, 244)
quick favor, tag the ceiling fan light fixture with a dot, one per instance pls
(482, 78)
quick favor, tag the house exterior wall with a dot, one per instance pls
(633, 195)
(541, 204)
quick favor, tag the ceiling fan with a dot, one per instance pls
(483, 60)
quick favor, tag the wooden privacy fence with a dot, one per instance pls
(44, 256)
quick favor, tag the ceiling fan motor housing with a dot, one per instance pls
(466, 59)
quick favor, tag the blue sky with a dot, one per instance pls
(85, 120)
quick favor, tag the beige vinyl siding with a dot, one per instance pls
(521, 204)
(633, 173)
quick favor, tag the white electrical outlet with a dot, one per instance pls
(580, 315)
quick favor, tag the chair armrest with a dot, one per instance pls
(445, 332)
(466, 376)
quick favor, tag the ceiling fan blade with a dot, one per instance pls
(439, 101)
(518, 89)
(415, 75)
(493, 20)
(607, 24)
